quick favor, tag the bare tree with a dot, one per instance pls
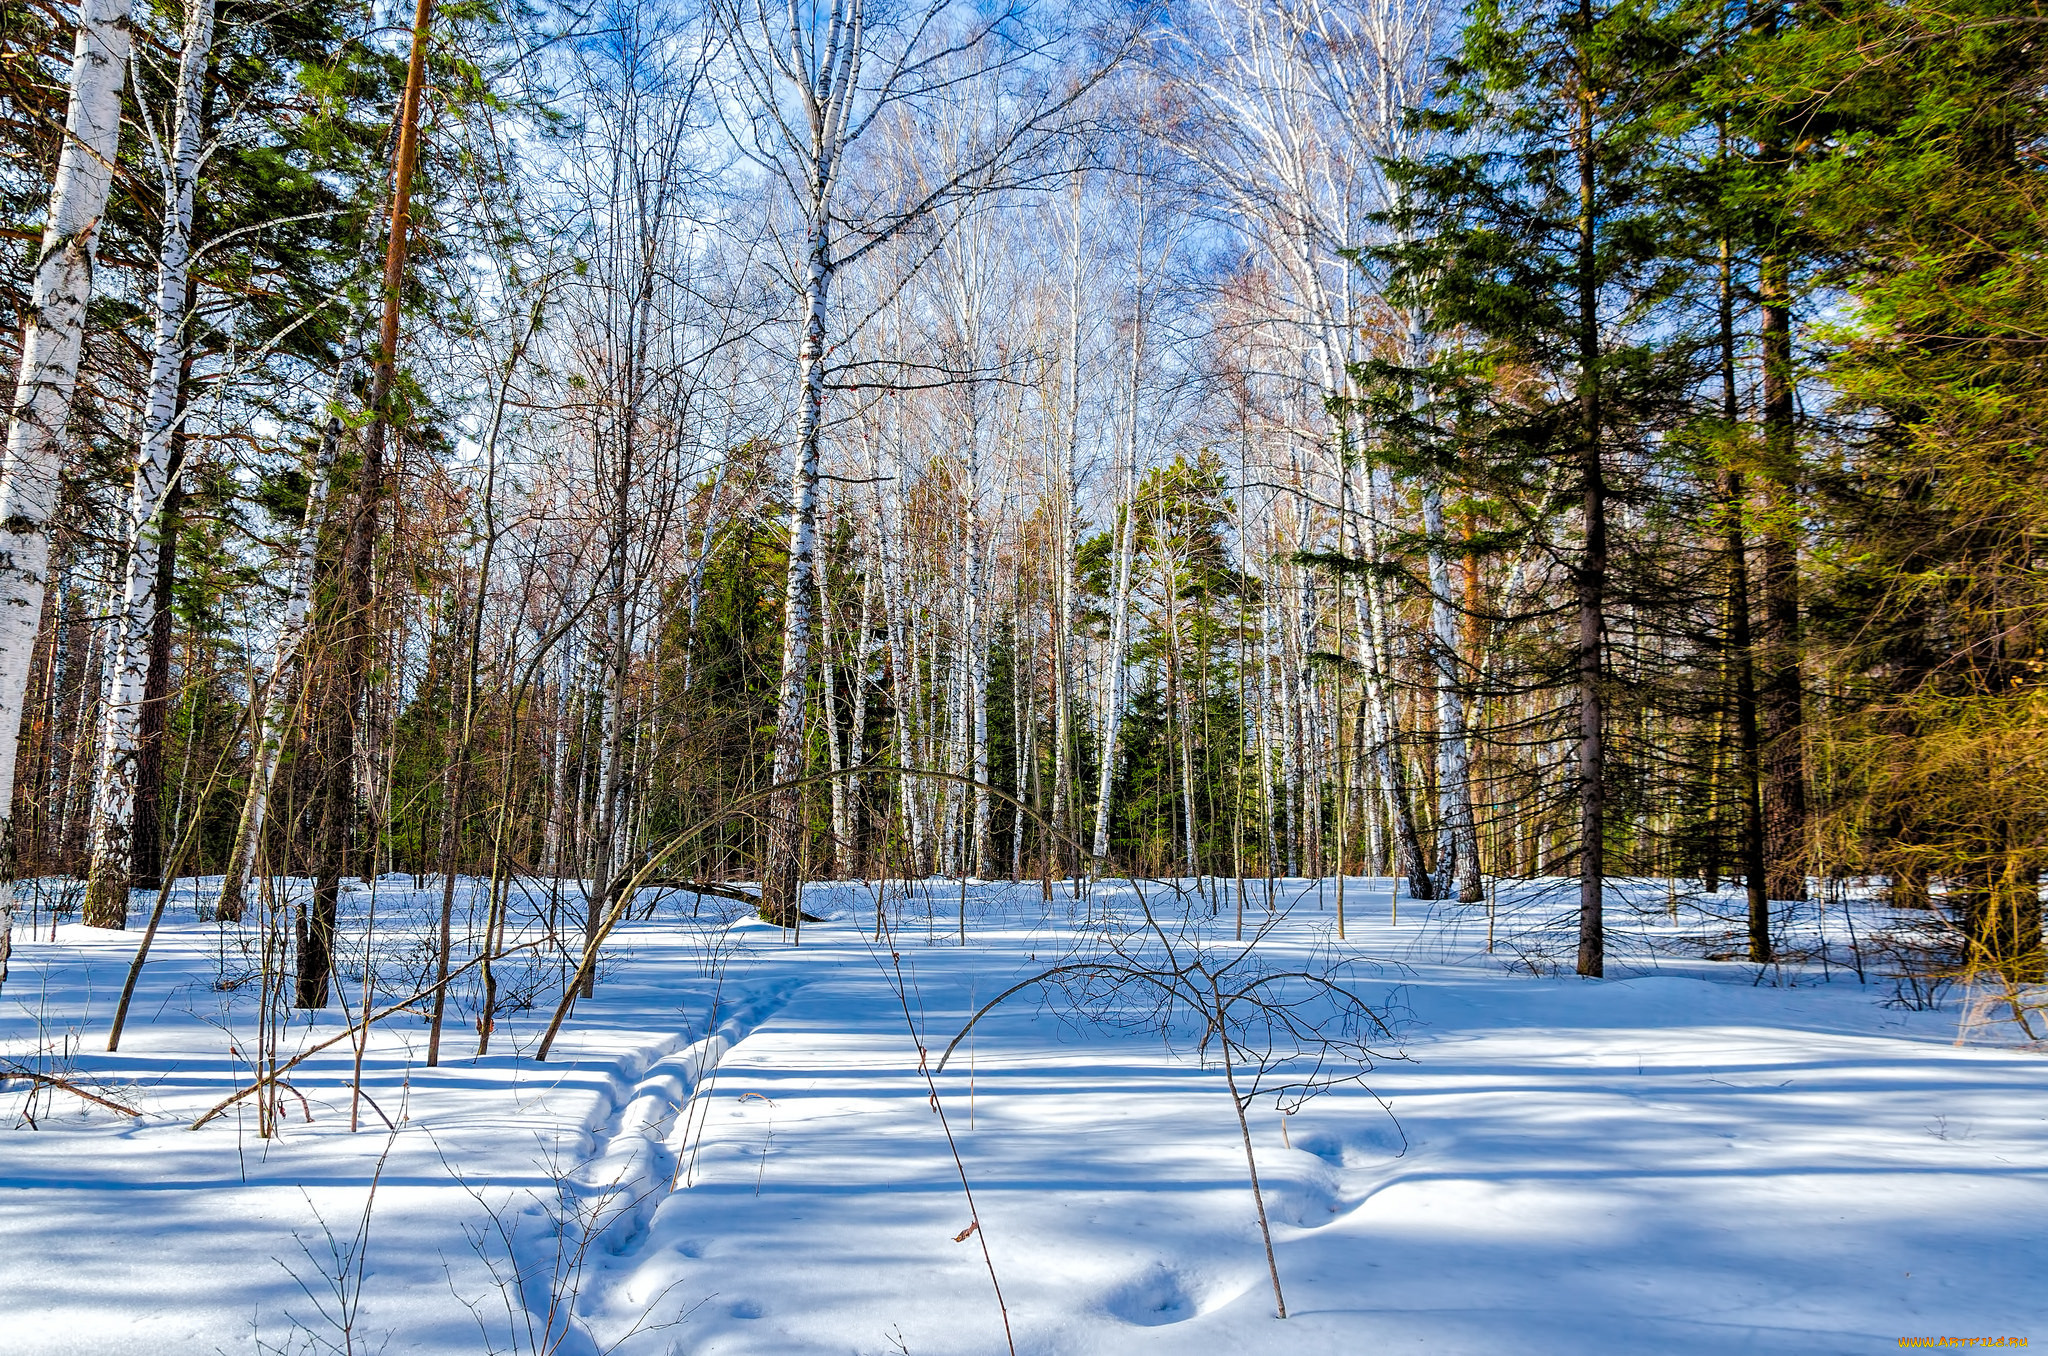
(818, 79)
(1290, 1029)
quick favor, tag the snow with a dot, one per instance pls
(1687, 1156)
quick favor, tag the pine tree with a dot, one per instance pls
(1538, 235)
(1920, 188)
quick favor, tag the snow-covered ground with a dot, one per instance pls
(731, 1147)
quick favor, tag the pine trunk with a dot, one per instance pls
(1781, 695)
(1592, 572)
(1741, 661)
(343, 695)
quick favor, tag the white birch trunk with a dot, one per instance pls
(959, 709)
(106, 898)
(1024, 731)
(1183, 713)
(1385, 729)
(49, 371)
(1309, 744)
(1280, 684)
(1119, 643)
(1269, 696)
(903, 682)
(1457, 867)
(277, 689)
(857, 734)
(983, 848)
(842, 841)
(1120, 631)
(1064, 586)
(779, 884)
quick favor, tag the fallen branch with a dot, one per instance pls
(698, 887)
(65, 1085)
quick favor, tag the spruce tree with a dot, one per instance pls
(1539, 237)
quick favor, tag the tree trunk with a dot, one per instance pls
(1023, 732)
(977, 638)
(1065, 812)
(558, 766)
(343, 697)
(69, 720)
(1119, 644)
(50, 347)
(1781, 687)
(278, 699)
(106, 895)
(1457, 863)
(779, 870)
(1592, 572)
(1386, 729)
(857, 735)
(1749, 770)
(146, 866)
(828, 684)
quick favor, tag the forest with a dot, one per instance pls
(1244, 439)
(535, 461)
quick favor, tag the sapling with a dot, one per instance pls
(1285, 1029)
(338, 1299)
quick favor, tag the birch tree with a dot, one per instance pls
(1294, 105)
(106, 898)
(49, 370)
(275, 698)
(817, 80)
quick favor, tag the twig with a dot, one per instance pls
(345, 1034)
(932, 1088)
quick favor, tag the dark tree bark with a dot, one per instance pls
(344, 694)
(1780, 688)
(146, 859)
(1741, 662)
(1592, 572)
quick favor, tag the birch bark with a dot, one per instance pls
(779, 882)
(1457, 860)
(106, 895)
(49, 371)
(558, 764)
(842, 845)
(1063, 808)
(976, 732)
(857, 734)
(1119, 645)
(1120, 606)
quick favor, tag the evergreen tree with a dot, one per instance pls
(1921, 189)
(1539, 237)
